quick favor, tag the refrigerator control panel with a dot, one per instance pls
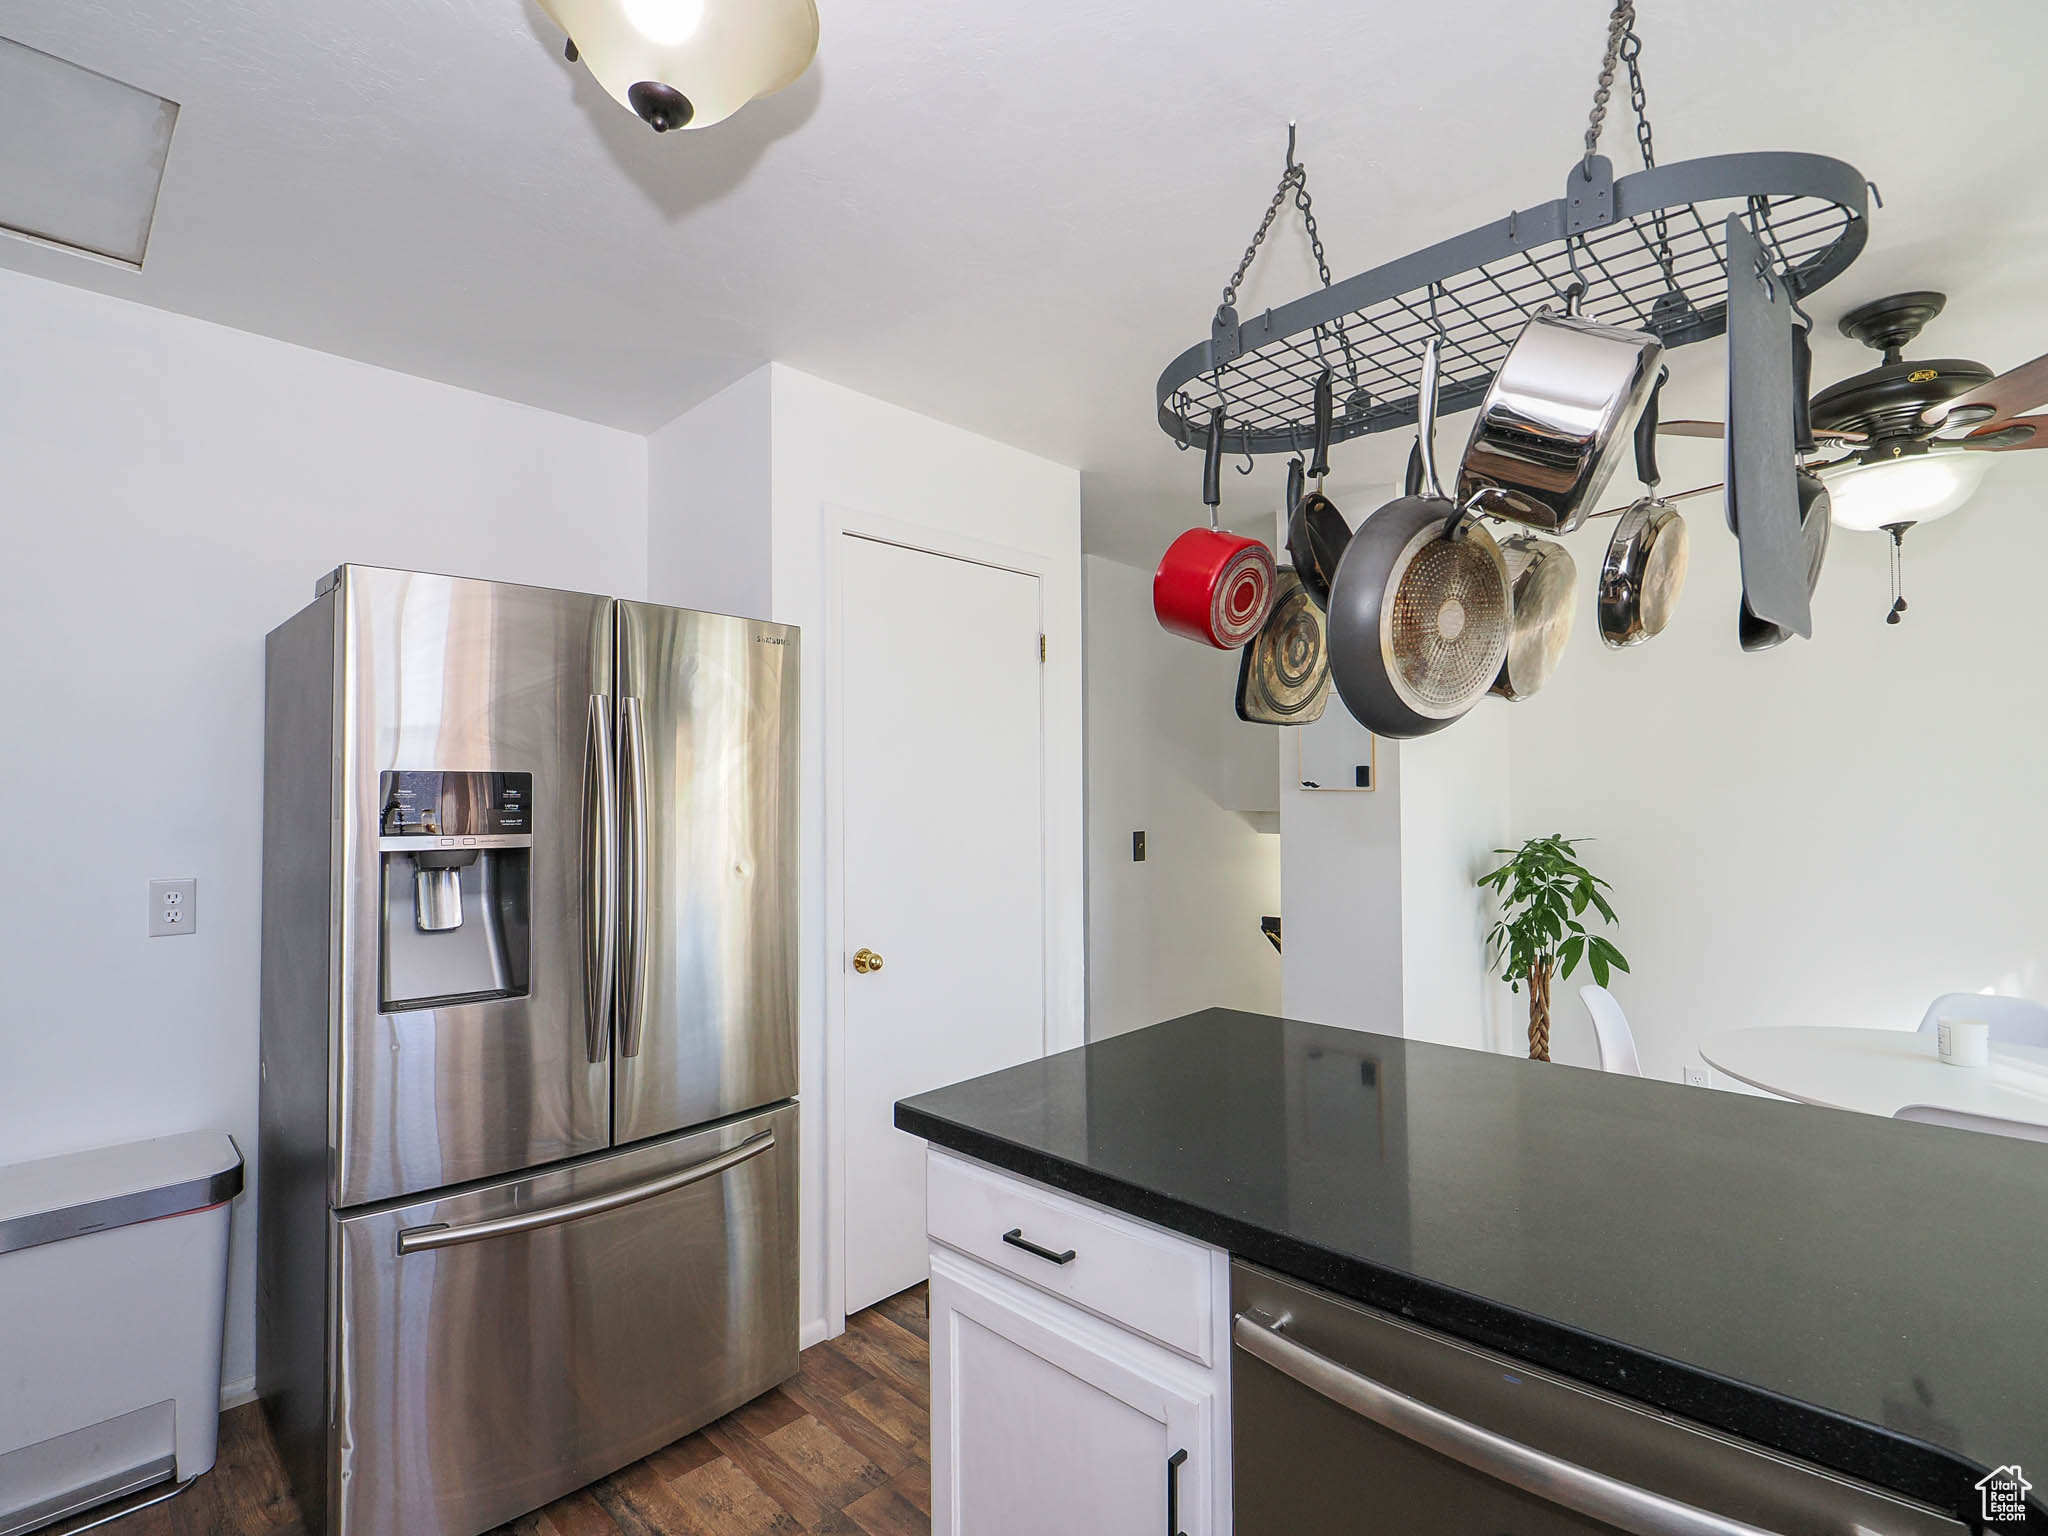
(437, 804)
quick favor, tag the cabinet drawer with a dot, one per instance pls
(1151, 1282)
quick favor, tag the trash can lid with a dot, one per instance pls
(76, 1193)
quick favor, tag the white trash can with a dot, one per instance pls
(113, 1297)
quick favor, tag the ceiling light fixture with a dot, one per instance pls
(689, 63)
(1867, 494)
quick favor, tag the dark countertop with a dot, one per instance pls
(1863, 1294)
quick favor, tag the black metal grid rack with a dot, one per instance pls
(1809, 212)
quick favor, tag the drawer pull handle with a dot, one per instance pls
(440, 1235)
(1016, 1239)
(1173, 1491)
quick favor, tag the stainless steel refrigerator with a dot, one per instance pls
(528, 1164)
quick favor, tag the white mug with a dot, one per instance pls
(1964, 1042)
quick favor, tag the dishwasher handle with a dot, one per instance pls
(441, 1235)
(1563, 1483)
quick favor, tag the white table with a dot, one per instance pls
(1880, 1071)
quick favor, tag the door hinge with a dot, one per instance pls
(1041, 647)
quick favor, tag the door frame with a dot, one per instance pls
(842, 523)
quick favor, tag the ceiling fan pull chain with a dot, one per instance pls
(1898, 564)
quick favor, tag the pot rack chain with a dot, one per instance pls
(1294, 179)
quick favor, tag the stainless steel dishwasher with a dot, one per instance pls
(1348, 1420)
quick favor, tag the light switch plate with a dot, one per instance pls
(173, 908)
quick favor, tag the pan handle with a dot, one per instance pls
(1212, 466)
(1319, 463)
(1802, 386)
(1646, 436)
(1425, 417)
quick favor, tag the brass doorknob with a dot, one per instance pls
(865, 960)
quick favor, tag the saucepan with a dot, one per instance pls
(1213, 586)
(1557, 418)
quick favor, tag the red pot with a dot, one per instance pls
(1214, 587)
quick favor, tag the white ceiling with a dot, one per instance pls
(1005, 215)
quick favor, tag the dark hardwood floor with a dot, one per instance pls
(840, 1450)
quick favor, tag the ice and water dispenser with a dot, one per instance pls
(457, 854)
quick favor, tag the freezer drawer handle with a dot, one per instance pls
(1562, 1483)
(441, 1235)
(1016, 1239)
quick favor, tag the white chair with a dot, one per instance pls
(2013, 1020)
(1963, 1120)
(1610, 1028)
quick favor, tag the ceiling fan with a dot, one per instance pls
(1904, 442)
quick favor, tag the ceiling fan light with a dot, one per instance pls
(717, 55)
(1913, 488)
(665, 23)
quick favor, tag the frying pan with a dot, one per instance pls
(1284, 677)
(1419, 615)
(1543, 581)
(1644, 570)
(1316, 530)
(1213, 586)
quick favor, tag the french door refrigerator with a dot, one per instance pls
(528, 1163)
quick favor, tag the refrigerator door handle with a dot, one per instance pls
(633, 885)
(425, 1239)
(600, 877)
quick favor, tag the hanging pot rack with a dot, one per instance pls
(1480, 286)
(1647, 252)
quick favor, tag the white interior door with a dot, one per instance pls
(942, 735)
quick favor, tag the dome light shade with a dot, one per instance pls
(1914, 488)
(689, 63)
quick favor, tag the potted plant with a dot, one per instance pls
(1544, 892)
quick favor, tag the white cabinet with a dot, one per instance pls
(1053, 1415)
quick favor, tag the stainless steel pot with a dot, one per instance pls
(1419, 616)
(1556, 420)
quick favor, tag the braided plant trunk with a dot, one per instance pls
(1539, 1011)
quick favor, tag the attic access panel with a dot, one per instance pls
(1810, 210)
(81, 155)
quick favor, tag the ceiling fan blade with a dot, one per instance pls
(2020, 432)
(1716, 429)
(1698, 490)
(2009, 395)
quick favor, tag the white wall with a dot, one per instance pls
(169, 491)
(1168, 755)
(708, 476)
(836, 455)
(1454, 793)
(1832, 832)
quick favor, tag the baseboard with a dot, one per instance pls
(815, 1332)
(233, 1394)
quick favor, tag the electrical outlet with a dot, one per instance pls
(1696, 1077)
(173, 907)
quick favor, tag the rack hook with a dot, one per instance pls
(1250, 463)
